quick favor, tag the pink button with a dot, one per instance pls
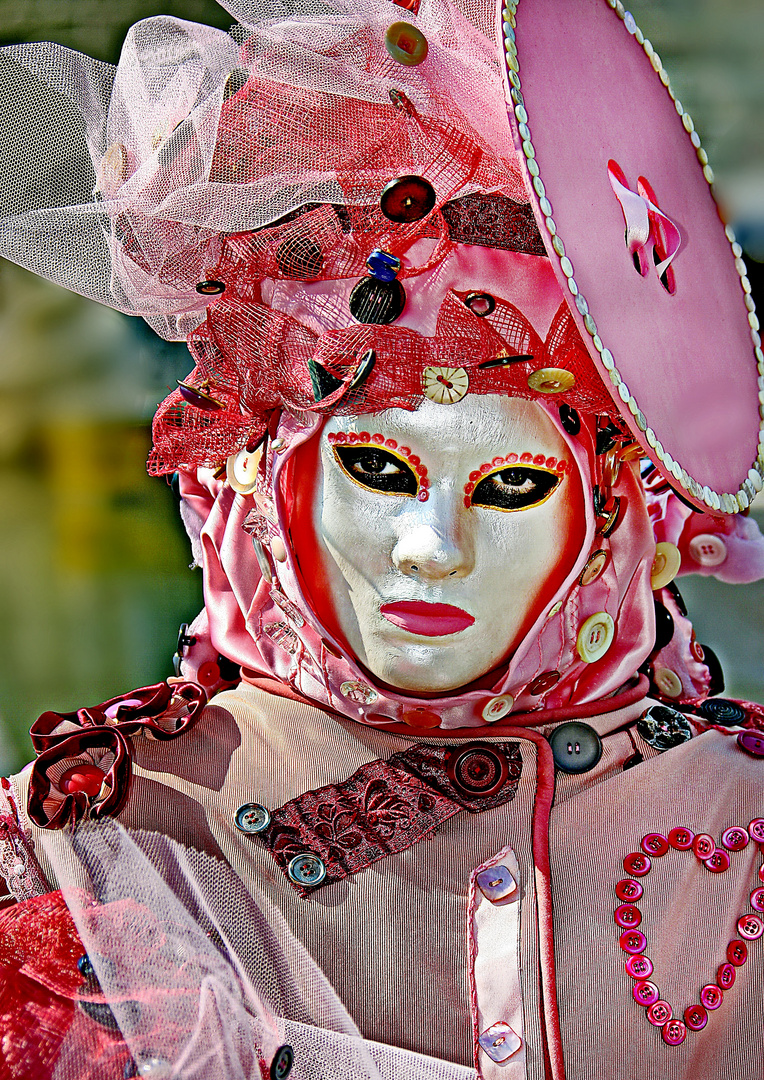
(628, 916)
(735, 839)
(761, 872)
(654, 844)
(637, 864)
(725, 976)
(639, 967)
(674, 1032)
(737, 952)
(645, 993)
(757, 899)
(749, 927)
(696, 1017)
(659, 1013)
(681, 839)
(752, 742)
(704, 846)
(711, 996)
(632, 941)
(628, 890)
(718, 862)
(756, 830)
(707, 549)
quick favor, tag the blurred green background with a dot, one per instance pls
(94, 575)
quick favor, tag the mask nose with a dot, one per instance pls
(429, 552)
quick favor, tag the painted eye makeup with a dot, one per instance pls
(517, 487)
(378, 469)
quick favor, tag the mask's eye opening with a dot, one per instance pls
(377, 469)
(515, 487)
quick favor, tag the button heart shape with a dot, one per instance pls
(750, 925)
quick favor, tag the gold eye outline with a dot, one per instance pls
(558, 475)
(422, 483)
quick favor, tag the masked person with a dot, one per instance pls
(466, 398)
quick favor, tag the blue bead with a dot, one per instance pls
(382, 265)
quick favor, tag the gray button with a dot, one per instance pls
(663, 727)
(252, 818)
(306, 869)
(576, 747)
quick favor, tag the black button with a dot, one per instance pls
(210, 288)
(283, 1059)
(664, 626)
(672, 588)
(663, 727)
(711, 660)
(576, 747)
(477, 769)
(570, 419)
(407, 199)
(377, 302)
(722, 711)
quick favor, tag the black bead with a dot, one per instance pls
(377, 302)
(85, 967)
(570, 419)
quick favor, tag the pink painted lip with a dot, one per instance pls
(429, 620)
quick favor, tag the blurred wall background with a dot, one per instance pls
(94, 576)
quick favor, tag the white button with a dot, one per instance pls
(498, 707)
(500, 1042)
(594, 567)
(445, 385)
(595, 637)
(241, 470)
(278, 549)
(496, 883)
(707, 549)
(665, 565)
(668, 682)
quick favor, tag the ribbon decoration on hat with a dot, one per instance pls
(645, 221)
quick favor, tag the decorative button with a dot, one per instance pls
(725, 976)
(241, 470)
(757, 899)
(496, 883)
(696, 1017)
(735, 838)
(654, 844)
(543, 682)
(477, 769)
(628, 916)
(668, 682)
(278, 549)
(445, 385)
(364, 369)
(480, 303)
(281, 1066)
(681, 839)
(632, 941)
(663, 727)
(497, 708)
(208, 673)
(198, 397)
(407, 199)
(252, 818)
(408, 46)
(645, 993)
(377, 302)
(659, 1013)
(595, 637)
(722, 711)
(752, 742)
(639, 967)
(211, 287)
(594, 567)
(756, 830)
(551, 380)
(570, 419)
(637, 864)
(666, 565)
(718, 862)
(420, 717)
(612, 514)
(576, 747)
(737, 952)
(500, 1042)
(628, 890)
(704, 846)
(306, 869)
(711, 996)
(706, 549)
(664, 627)
(674, 1032)
(359, 692)
(750, 927)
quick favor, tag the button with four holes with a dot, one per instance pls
(306, 869)
(252, 818)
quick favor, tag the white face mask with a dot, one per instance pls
(442, 533)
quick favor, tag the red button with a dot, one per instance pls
(85, 777)
(756, 829)
(639, 967)
(757, 899)
(654, 844)
(208, 673)
(674, 1032)
(637, 864)
(761, 872)
(725, 976)
(628, 916)
(628, 890)
(735, 839)
(544, 682)
(752, 742)
(659, 1013)
(645, 993)
(737, 952)
(749, 927)
(704, 846)
(711, 996)
(696, 1017)
(681, 839)
(421, 717)
(718, 862)
(632, 941)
